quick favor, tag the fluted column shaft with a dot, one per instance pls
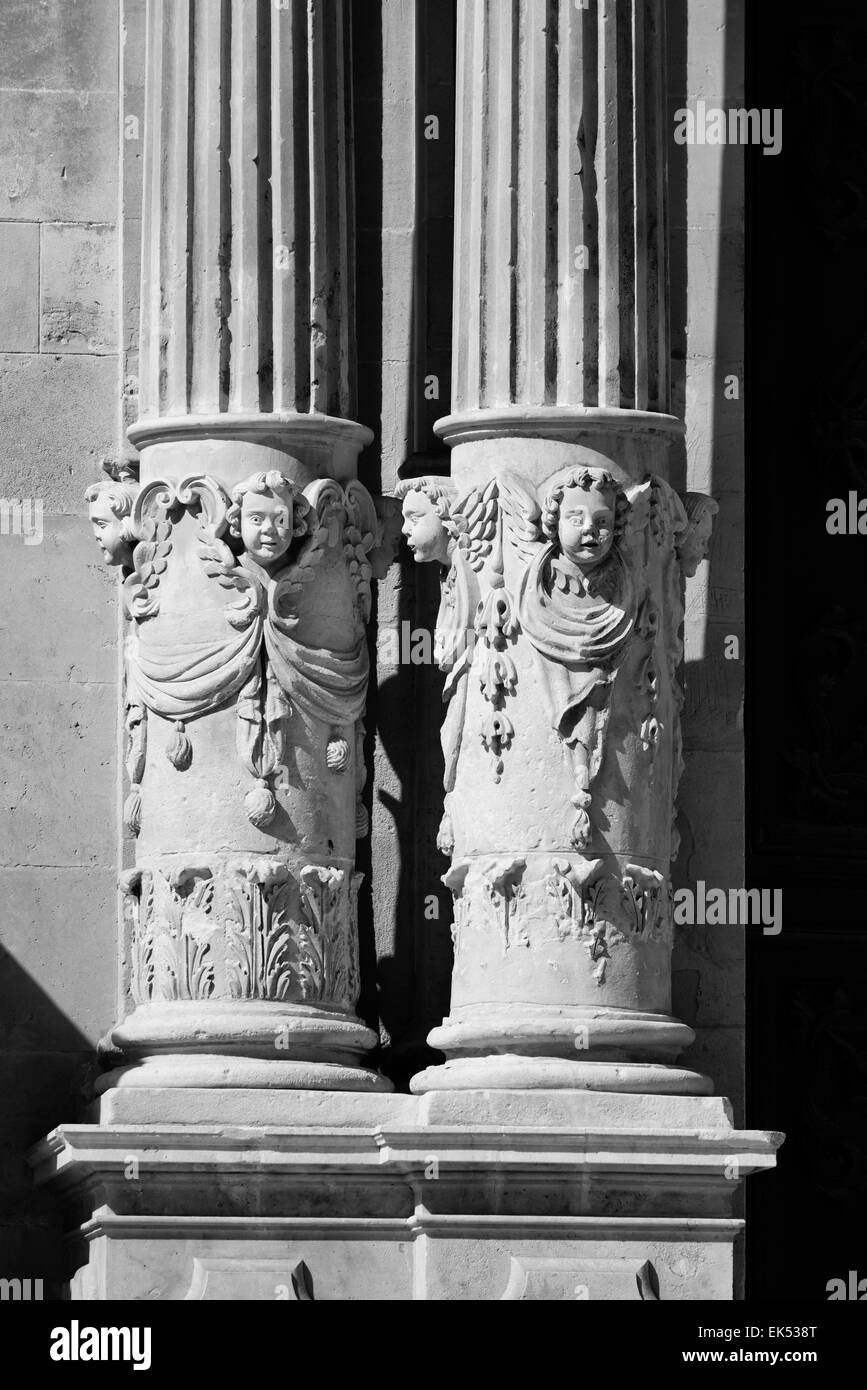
(247, 274)
(560, 209)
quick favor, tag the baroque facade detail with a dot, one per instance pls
(249, 929)
(247, 605)
(576, 1156)
(560, 635)
(262, 547)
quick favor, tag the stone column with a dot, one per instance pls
(563, 549)
(245, 551)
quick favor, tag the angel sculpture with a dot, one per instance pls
(109, 507)
(267, 513)
(275, 652)
(457, 535)
(577, 605)
(325, 683)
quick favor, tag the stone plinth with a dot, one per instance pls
(484, 1195)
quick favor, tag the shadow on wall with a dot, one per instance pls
(405, 921)
(47, 1068)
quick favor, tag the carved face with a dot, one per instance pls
(426, 536)
(108, 530)
(266, 527)
(586, 525)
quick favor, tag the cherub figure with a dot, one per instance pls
(456, 535)
(577, 605)
(427, 519)
(267, 513)
(110, 505)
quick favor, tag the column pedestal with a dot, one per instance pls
(483, 1196)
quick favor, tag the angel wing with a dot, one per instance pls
(521, 514)
(219, 563)
(474, 517)
(324, 521)
(359, 538)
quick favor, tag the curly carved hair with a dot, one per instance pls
(441, 492)
(586, 479)
(121, 499)
(275, 484)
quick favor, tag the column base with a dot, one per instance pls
(208, 1070)
(254, 1044)
(511, 1071)
(533, 1046)
(471, 1196)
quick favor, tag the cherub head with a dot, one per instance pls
(268, 511)
(426, 516)
(110, 507)
(585, 512)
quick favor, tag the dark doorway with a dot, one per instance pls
(807, 646)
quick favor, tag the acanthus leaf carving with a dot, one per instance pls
(249, 929)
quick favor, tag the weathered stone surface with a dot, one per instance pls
(58, 155)
(58, 668)
(79, 289)
(52, 453)
(48, 935)
(39, 641)
(712, 842)
(715, 326)
(708, 974)
(19, 286)
(59, 741)
(561, 209)
(64, 44)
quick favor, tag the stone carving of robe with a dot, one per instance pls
(579, 625)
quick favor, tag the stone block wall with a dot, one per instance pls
(59, 417)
